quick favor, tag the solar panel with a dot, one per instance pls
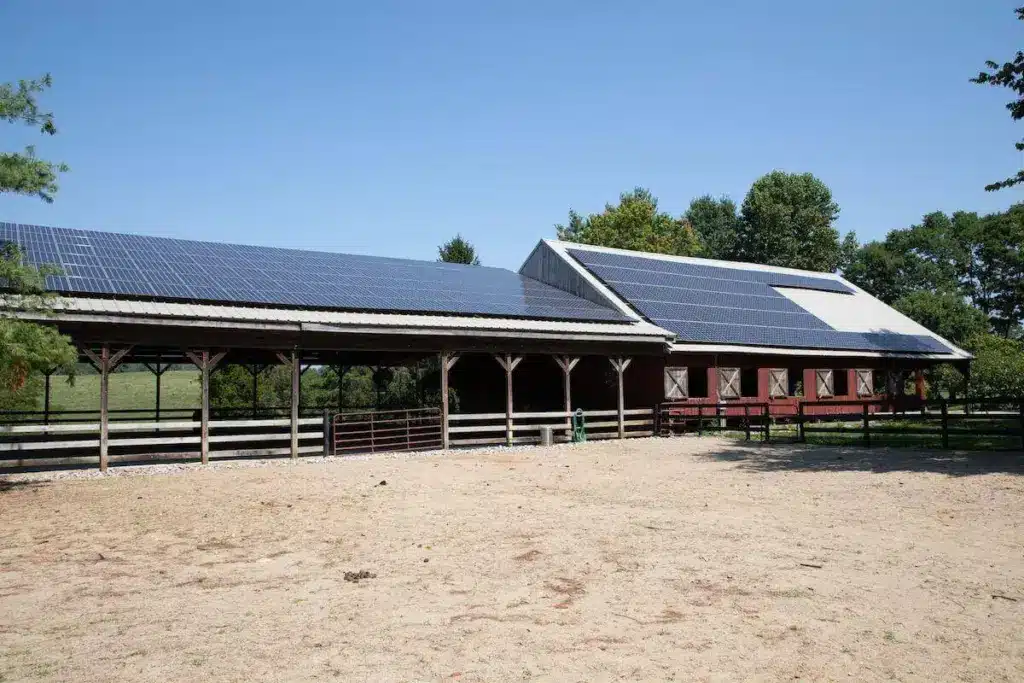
(721, 305)
(136, 266)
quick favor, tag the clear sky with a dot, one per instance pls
(386, 127)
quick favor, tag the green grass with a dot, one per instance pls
(128, 391)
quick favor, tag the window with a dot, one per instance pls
(728, 383)
(865, 382)
(796, 381)
(698, 383)
(748, 383)
(778, 382)
(841, 382)
(677, 386)
(823, 383)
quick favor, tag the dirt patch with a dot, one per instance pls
(675, 559)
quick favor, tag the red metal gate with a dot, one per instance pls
(372, 431)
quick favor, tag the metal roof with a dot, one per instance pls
(725, 306)
(154, 268)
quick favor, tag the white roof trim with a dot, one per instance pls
(80, 308)
(782, 351)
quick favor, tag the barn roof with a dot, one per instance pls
(103, 264)
(728, 306)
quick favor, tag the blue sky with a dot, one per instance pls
(387, 127)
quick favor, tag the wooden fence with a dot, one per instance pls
(371, 431)
(76, 443)
(870, 421)
(481, 429)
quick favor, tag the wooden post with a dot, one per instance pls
(205, 362)
(105, 363)
(509, 363)
(867, 425)
(620, 364)
(746, 420)
(158, 369)
(945, 424)
(448, 361)
(46, 399)
(767, 413)
(567, 363)
(296, 376)
(800, 419)
(327, 432)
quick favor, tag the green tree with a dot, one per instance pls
(458, 250)
(23, 173)
(1009, 75)
(997, 272)
(997, 370)
(27, 347)
(634, 223)
(716, 223)
(848, 251)
(787, 221)
(947, 315)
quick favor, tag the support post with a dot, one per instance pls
(945, 424)
(105, 363)
(567, 363)
(509, 363)
(800, 419)
(46, 399)
(205, 361)
(867, 425)
(767, 416)
(746, 420)
(296, 388)
(620, 364)
(448, 361)
(158, 369)
(327, 432)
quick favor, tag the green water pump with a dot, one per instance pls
(579, 427)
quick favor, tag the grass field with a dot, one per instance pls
(128, 391)
(648, 560)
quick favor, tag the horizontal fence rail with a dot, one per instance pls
(371, 431)
(982, 423)
(483, 429)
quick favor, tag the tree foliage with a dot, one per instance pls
(27, 347)
(458, 250)
(1008, 75)
(22, 172)
(716, 223)
(947, 315)
(787, 221)
(997, 370)
(634, 223)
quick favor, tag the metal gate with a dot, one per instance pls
(373, 431)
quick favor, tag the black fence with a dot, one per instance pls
(994, 423)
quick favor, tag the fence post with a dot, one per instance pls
(746, 419)
(867, 425)
(945, 424)
(700, 420)
(800, 421)
(327, 432)
(767, 414)
(1021, 406)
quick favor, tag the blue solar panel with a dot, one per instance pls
(111, 264)
(721, 305)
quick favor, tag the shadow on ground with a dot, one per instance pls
(796, 457)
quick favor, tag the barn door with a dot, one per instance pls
(865, 384)
(778, 382)
(728, 382)
(825, 383)
(676, 384)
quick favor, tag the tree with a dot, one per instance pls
(998, 268)
(716, 223)
(787, 221)
(26, 347)
(997, 370)
(23, 173)
(848, 251)
(458, 250)
(947, 315)
(634, 223)
(1009, 75)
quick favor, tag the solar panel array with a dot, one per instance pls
(705, 303)
(135, 266)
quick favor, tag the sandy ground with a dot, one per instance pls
(682, 559)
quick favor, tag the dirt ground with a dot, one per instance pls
(681, 559)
